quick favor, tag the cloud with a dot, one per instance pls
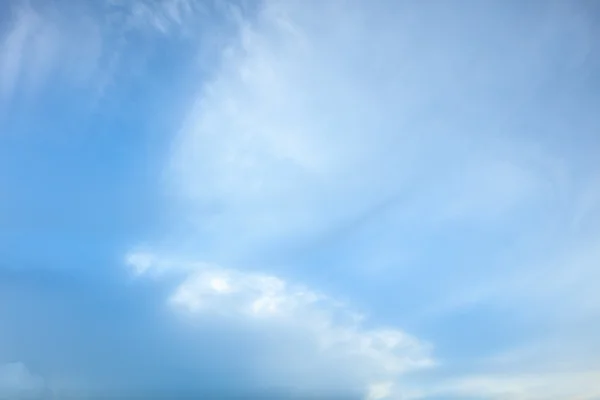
(380, 390)
(343, 137)
(427, 163)
(557, 283)
(87, 46)
(164, 16)
(14, 48)
(319, 114)
(18, 383)
(41, 42)
(546, 386)
(323, 338)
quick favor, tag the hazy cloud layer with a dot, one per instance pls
(389, 200)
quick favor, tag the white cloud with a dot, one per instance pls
(321, 113)
(379, 390)
(336, 335)
(12, 50)
(559, 283)
(41, 42)
(542, 386)
(563, 281)
(163, 16)
(18, 383)
(83, 45)
(140, 262)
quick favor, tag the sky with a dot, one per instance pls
(299, 199)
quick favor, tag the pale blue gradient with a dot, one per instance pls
(336, 199)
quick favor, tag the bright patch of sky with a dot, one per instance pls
(299, 199)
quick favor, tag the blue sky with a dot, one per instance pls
(299, 199)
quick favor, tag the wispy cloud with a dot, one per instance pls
(164, 16)
(327, 345)
(17, 382)
(361, 122)
(86, 46)
(13, 49)
(319, 115)
(432, 164)
(550, 386)
(41, 43)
